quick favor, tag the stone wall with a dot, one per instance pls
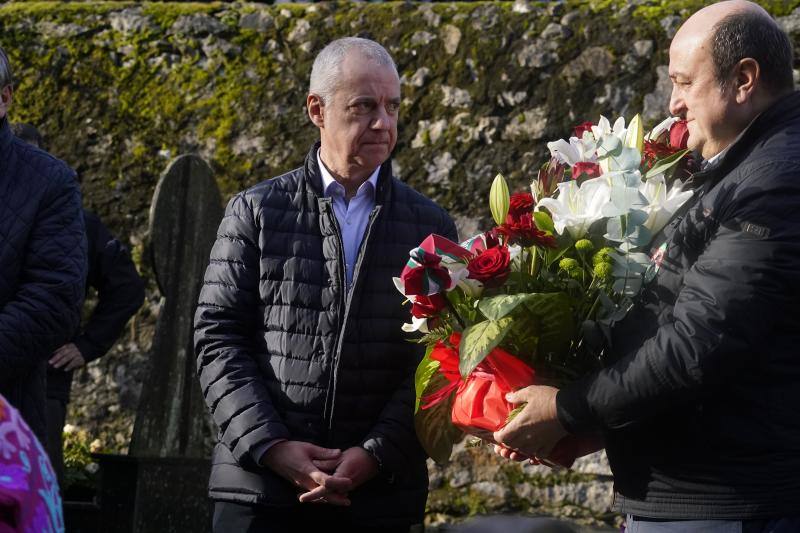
(120, 88)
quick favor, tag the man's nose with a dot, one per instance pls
(677, 107)
(382, 119)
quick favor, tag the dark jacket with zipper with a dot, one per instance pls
(120, 293)
(284, 351)
(701, 411)
(42, 269)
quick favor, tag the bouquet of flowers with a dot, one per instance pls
(530, 300)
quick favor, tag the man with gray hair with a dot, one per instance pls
(300, 351)
(42, 263)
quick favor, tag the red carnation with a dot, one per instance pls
(520, 203)
(592, 170)
(580, 128)
(524, 232)
(490, 267)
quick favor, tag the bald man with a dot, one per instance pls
(700, 411)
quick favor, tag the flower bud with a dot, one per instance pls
(603, 256)
(603, 271)
(584, 246)
(568, 264)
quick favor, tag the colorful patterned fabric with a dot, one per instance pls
(29, 498)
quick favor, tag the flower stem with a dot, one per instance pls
(455, 314)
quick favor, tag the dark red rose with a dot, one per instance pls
(428, 306)
(520, 203)
(580, 128)
(592, 170)
(523, 231)
(490, 267)
(679, 135)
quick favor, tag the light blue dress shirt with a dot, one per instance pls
(353, 216)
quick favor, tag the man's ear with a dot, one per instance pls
(6, 96)
(316, 109)
(748, 78)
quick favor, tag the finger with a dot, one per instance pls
(338, 483)
(60, 360)
(517, 396)
(318, 452)
(517, 456)
(313, 495)
(326, 465)
(322, 495)
(333, 483)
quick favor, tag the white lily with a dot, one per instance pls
(576, 208)
(662, 201)
(661, 128)
(574, 151)
(604, 128)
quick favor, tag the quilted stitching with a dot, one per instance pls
(42, 269)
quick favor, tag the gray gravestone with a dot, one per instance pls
(172, 420)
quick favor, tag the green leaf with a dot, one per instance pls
(551, 314)
(499, 199)
(497, 307)
(544, 222)
(434, 425)
(665, 164)
(480, 339)
(422, 377)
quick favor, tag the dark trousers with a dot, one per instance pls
(238, 518)
(56, 415)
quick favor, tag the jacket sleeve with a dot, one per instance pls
(120, 293)
(393, 439)
(44, 313)
(741, 286)
(226, 323)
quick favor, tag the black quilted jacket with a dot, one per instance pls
(284, 352)
(42, 269)
(701, 412)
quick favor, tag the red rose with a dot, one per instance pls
(524, 232)
(520, 203)
(490, 267)
(679, 135)
(428, 306)
(580, 128)
(592, 170)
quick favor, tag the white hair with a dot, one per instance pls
(326, 72)
(6, 77)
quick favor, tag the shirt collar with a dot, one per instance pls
(329, 183)
(714, 161)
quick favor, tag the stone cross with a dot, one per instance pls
(172, 420)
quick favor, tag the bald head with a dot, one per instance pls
(728, 63)
(734, 30)
(701, 24)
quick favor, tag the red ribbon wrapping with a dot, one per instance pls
(480, 407)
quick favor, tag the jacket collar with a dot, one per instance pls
(782, 112)
(313, 177)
